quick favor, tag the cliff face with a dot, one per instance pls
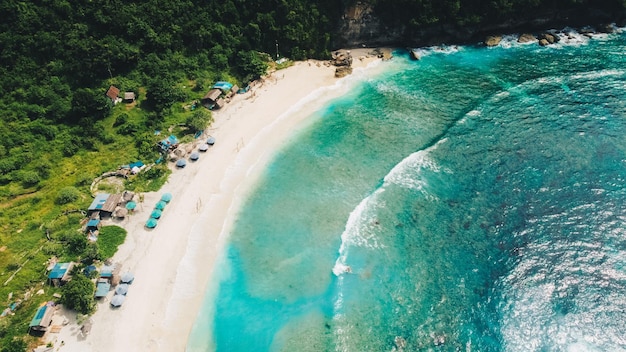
(361, 26)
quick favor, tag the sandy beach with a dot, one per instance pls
(173, 263)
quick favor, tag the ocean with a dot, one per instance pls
(473, 200)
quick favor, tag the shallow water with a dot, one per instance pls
(472, 200)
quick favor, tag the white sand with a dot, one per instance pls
(173, 263)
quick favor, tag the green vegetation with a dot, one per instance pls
(109, 239)
(78, 294)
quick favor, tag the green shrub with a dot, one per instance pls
(109, 239)
(29, 178)
(67, 195)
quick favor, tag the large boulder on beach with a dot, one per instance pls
(526, 38)
(493, 40)
(341, 58)
(343, 71)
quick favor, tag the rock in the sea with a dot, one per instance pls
(543, 42)
(493, 40)
(343, 71)
(526, 38)
(606, 28)
(549, 37)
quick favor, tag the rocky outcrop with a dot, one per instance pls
(343, 71)
(341, 58)
(493, 40)
(549, 38)
(526, 38)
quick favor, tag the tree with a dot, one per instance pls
(78, 294)
(199, 120)
(75, 242)
(252, 64)
(162, 94)
(90, 103)
(16, 345)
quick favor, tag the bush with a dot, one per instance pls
(29, 178)
(199, 120)
(75, 242)
(67, 195)
(110, 238)
(15, 345)
(120, 119)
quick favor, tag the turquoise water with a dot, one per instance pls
(473, 200)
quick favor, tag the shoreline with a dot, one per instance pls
(174, 263)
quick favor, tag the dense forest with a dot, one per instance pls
(59, 131)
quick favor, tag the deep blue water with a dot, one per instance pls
(472, 200)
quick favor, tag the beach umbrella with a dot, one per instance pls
(156, 213)
(203, 148)
(181, 163)
(151, 223)
(194, 156)
(166, 197)
(118, 300)
(160, 205)
(127, 278)
(210, 141)
(121, 289)
(131, 205)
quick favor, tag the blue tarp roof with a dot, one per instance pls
(102, 289)
(169, 141)
(223, 86)
(93, 223)
(136, 163)
(38, 316)
(58, 271)
(106, 271)
(99, 201)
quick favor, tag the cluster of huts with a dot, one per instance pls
(108, 278)
(106, 206)
(113, 93)
(219, 94)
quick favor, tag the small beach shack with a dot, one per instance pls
(105, 204)
(93, 225)
(42, 320)
(211, 98)
(113, 93)
(103, 286)
(129, 97)
(168, 143)
(60, 273)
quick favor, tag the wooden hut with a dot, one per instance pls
(129, 97)
(60, 273)
(211, 98)
(42, 320)
(113, 93)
